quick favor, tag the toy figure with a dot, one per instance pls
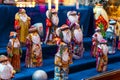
(6, 70)
(63, 56)
(117, 32)
(33, 44)
(102, 56)
(96, 38)
(111, 37)
(14, 51)
(77, 39)
(22, 23)
(77, 35)
(101, 18)
(51, 25)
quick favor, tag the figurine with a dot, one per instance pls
(63, 56)
(73, 18)
(6, 70)
(77, 35)
(22, 24)
(96, 38)
(101, 18)
(33, 44)
(111, 37)
(102, 56)
(77, 39)
(52, 21)
(14, 51)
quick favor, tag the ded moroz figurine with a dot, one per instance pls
(22, 24)
(63, 56)
(77, 35)
(102, 56)
(13, 50)
(33, 44)
(111, 37)
(101, 18)
(6, 70)
(96, 38)
(52, 21)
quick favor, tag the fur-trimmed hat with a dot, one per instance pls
(103, 41)
(63, 27)
(71, 13)
(3, 58)
(37, 27)
(50, 12)
(12, 33)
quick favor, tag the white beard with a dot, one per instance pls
(105, 48)
(73, 19)
(6, 71)
(36, 39)
(65, 56)
(67, 36)
(78, 35)
(55, 20)
(23, 17)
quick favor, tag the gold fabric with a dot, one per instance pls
(24, 26)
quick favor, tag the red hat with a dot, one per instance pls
(22, 10)
(12, 33)
(64, 26)
(3, 58)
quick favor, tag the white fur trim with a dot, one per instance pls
(47, 13)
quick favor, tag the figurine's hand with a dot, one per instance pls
(13, 72)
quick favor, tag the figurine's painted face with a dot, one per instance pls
(55, 19)
(23, 17)
(4, 62)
